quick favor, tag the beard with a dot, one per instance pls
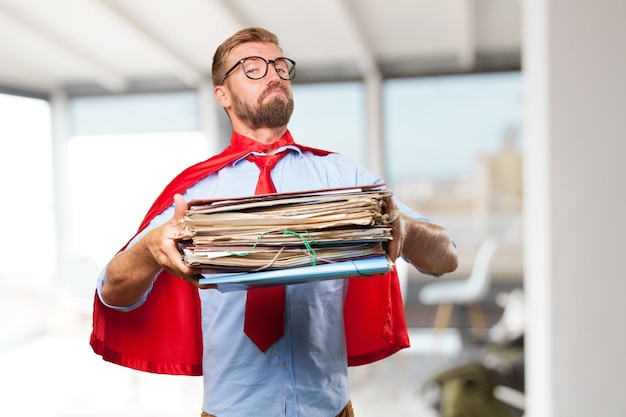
(273, 114)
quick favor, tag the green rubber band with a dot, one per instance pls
(310, 251)
(251, 249)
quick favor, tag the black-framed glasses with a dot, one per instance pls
(256, 67)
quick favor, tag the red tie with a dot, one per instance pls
(265, 307)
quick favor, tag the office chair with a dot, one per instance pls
(470, 291)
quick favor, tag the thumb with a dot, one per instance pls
(180, 207)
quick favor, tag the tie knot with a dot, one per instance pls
(266, 161)
(265, 185)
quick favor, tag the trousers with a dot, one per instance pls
(346, 412)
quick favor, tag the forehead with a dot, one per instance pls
(265, 50)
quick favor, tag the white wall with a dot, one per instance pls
(575, 69)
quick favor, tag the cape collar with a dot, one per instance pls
(239, 142)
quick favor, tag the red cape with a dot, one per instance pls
(164, 335)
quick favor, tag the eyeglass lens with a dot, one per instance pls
(256, 68)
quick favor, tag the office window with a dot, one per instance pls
(27, 195)
(331, 116)
(435, 127)
(454, 151)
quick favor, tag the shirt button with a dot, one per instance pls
(285, 366)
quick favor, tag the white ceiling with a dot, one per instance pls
(95, 46)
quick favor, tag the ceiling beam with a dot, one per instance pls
(366, 61)
(372, 79)
(30, 93)
(467, 41)
(236, 13)
(184, 70)
(103, 75)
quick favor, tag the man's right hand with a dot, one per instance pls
(130, 273)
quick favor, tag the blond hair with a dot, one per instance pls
(243, 36)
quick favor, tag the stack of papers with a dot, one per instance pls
(300, 232)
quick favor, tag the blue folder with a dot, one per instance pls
(363, 267)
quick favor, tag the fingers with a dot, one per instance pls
(394, 247)
(195, 280)
(166, 239)
(163, 243)
(174, 225)
(390, 205)
(392, 250)
(180, 207)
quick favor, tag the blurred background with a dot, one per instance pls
(499, 119)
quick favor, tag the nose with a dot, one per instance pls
(272, 73)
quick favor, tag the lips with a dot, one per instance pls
(275, 90)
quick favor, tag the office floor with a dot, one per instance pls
(55, 373)
(400, 385)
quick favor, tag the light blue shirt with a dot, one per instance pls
(305, 372)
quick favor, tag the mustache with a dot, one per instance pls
(273, 87)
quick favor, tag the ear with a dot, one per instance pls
(222, 96)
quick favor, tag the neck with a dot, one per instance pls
(264, 135)
(242, 142)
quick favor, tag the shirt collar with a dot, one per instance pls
(241, 142)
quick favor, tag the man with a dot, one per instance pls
(147, 317)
